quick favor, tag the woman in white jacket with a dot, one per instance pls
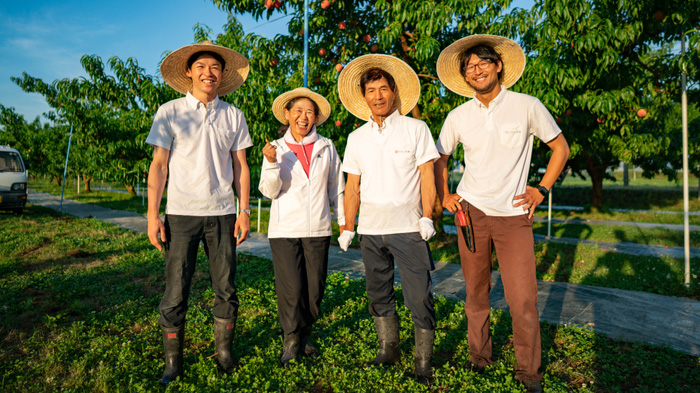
(301, 175)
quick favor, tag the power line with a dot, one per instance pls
(270, 21)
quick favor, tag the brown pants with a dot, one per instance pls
(512, 237)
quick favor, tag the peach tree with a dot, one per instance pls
(110, 113)
(610, 73)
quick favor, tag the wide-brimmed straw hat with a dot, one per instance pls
(448, 66)
(407, 84)
(174, 67)
(283, 99)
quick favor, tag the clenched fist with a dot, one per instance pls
(270, 152)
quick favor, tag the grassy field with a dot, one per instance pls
(79, 303)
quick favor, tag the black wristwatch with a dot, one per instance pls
(543, 190)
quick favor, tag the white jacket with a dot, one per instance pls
(301, 204)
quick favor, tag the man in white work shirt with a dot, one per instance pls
(389, 162)
(496, 129)
(200, 142)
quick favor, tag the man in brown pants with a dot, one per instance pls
(496, 130)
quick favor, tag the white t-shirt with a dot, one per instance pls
(387, 161)
(200, 139)
(497, 147)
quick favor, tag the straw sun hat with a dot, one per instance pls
(281, 101)
(174, 67)
(448, 63)
(407, 84)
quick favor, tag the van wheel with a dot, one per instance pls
(18, 210)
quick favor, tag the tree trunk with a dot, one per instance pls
(58, 180)
(626, 174)
(86, 183)
(130, 188)
(597, 174)
(597, 194)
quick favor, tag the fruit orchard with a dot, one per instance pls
(608, 71)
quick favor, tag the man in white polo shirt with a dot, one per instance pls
(496, 129)
(389, 162)
(200, 142)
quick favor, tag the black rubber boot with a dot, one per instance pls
(290, 350)
(306, 347)
(424, 355)
(173, 341)
(223, 338)
(388, 335)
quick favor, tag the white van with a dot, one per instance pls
(13, 180)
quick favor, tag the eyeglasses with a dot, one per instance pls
(484, 64)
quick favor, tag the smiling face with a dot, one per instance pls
(379, 97)
(483, 80)
(301, 117)
(205, 73)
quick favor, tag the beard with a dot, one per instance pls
(488, 88)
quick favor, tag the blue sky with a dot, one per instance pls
(47, 38)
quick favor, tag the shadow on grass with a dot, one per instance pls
(57, 273)
(557, 263)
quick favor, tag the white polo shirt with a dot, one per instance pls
(200, 139)
(387, 161)
(497, 147)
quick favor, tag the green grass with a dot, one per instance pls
(79, 304)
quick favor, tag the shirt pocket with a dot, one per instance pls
(512, 136)
(222, 137)
(403, 157)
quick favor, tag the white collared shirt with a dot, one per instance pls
(390, 196)
(497, 145)
(200, 139)
(376, 127)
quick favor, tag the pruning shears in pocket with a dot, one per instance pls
(464, 224)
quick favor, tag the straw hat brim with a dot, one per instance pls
(448, 65)
(407, 84)
(283, 99)
(174, 68)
